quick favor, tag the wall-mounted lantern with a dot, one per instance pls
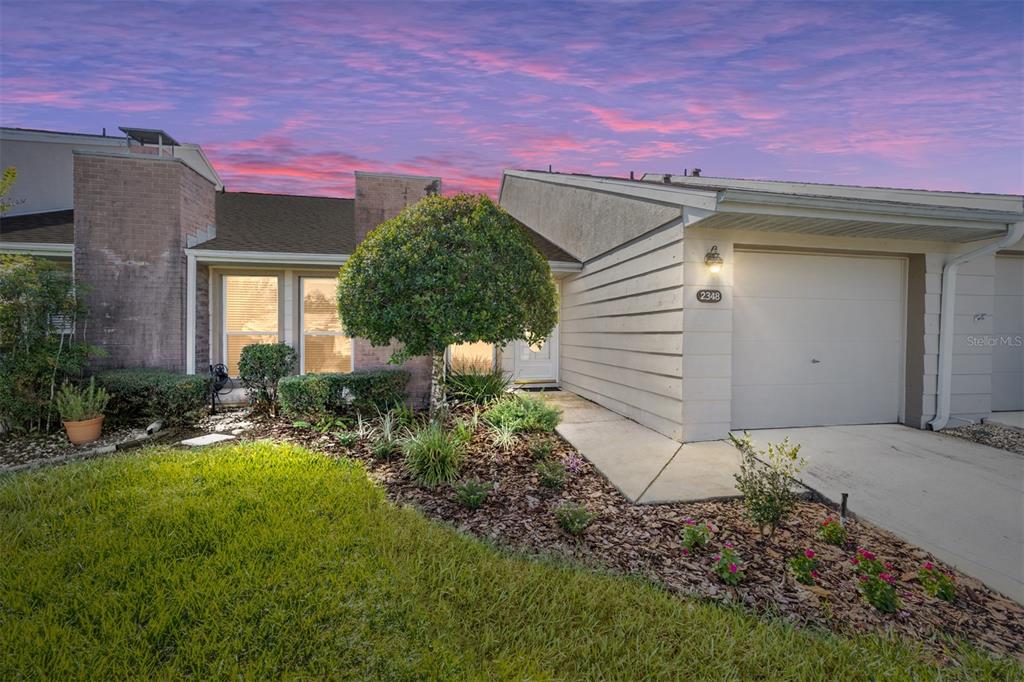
(714, 261)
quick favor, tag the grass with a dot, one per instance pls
(261, 560)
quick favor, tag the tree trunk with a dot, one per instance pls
(437, 395)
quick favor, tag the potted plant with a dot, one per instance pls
(81, 409)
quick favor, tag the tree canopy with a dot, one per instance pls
(447, 270)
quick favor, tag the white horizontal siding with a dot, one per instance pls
(621, 330)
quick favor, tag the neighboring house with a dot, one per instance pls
(711, 304)
(180, 274)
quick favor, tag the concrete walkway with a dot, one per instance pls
(644, 465)
(1014, 419)
(961, 501)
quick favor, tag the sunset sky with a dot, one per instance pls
(294, 96)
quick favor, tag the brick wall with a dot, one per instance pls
(132, 213)
(380, 197)
(202, 318)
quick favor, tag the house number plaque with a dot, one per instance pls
(709, 295)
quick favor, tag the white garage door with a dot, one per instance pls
(816, 340)
(1008, 328)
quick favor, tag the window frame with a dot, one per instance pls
(302, 328)
(224, 314)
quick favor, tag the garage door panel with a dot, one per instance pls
(795, 318)
(816, 340)
(873, 278)
(1008, 330)
(793, 363)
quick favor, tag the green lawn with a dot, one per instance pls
(265, 561)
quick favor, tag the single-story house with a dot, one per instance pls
(692, 305)
(180, 273)
(707, 304)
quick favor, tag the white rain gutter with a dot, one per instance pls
(947, 311)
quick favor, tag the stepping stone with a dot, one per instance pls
(208, 439)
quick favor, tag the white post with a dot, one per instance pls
(190, 314)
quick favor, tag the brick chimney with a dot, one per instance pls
(382, 196)
(133, 216)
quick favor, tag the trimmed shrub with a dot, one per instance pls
(480, 385)
(766, 481)
(472, 494)
(523, 414)
(551, 473)
(147, 394)
(574, 518)
(314, 396)
(261, 367)
(433, 456)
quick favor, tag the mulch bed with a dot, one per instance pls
(645, 540)
(16, 450)
(994, 435)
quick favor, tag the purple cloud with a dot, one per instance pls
(295, 96)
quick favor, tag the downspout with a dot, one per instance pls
(947, 311)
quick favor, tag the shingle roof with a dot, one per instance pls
(285, 223)
(248, 221)
(52, 227)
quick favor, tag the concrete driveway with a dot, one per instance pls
(960, 501)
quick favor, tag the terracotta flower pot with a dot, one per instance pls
(86, 431)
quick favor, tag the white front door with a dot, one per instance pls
(536, 364)
(816, 340)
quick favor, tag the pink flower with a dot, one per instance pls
(814, 574)
(685, 551)
(885, 577)
(729, 545)
(809, 554)
(928, 565)
(711, 527)
(732, 568)
(888, 565)
(718, 557)
(867, 555)
(863, 578)
(854, 560)
(689, 522)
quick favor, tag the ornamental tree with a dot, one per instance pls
(447, 270)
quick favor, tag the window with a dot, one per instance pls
(250, 315)
(471, 356)
(325, 348)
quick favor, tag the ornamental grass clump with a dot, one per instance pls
(503, 436)
(432, 455)
(832, 531)
(936, 583)
(766, 481)
(696, 535)
(804, 567)
(877, 584)
(574, 518)
(523, 414)
(728, 566)
(479, 384)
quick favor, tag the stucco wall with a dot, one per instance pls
(621, 330)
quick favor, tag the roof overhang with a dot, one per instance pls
(855, 212)
(38, 249)
(214, 256)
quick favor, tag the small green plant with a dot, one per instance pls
(551, 473)
(384, 450)
(765, 480)
(346, 439)
(574, 518)
(804, 567)
(877, 585)
(728, 566)
(936, 583)
(77, 404)
(696, 535)
(541, 448)
(503, 436)
(833, 532)
(432, 455)
(463, 430)
(388, 425)
(523, 414)
(472, 494)
(329, 424)
(480, 384)
(301, 424)
(364, 428)
(261, 367)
